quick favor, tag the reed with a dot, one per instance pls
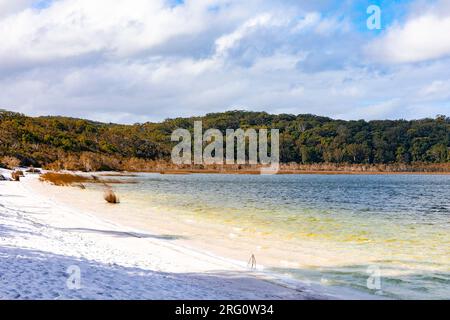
(91, 162)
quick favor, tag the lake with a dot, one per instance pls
(336, 230)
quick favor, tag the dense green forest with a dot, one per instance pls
(304, 139)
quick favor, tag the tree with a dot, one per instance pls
(438, 153)
(402, 155)
(304, 138)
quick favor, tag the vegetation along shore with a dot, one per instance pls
(308, 144)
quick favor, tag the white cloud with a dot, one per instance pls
(140, 60)
(424, 36)
(375, 111)
(228, 41)
(69, 29)
(8, 7)
(438, 89)
(310, 19)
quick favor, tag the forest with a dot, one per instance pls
(67, 143)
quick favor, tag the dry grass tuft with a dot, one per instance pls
(111, 197)
(15, 176)
(64, 179)
(68, 179)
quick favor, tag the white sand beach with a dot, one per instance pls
(42, 242)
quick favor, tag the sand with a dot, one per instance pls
(49, 250)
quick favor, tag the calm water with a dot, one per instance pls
(328, 228)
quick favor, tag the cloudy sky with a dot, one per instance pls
(146, 60)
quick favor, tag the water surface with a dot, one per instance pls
(322, 228)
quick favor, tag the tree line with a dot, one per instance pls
(304, 139)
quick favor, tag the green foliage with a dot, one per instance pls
(304, 139)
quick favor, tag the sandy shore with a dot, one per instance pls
(44, 245)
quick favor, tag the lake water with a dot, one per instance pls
(337, 230)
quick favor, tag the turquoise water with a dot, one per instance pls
(323, 228)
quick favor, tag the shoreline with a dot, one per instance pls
(58, 236)
(313, 247)
(300, 172)
(213, 238)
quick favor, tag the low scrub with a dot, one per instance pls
(10, 162)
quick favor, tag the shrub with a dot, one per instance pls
(10, 162)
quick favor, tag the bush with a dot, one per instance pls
(10, 162)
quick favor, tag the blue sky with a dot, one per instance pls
(138, 60)
(42, 4)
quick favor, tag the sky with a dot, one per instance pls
(130, 61)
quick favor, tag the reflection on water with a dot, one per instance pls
(325, 228)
